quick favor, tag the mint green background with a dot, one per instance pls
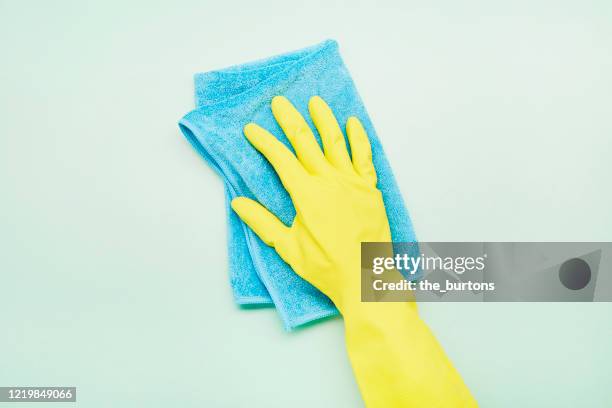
(496, 116)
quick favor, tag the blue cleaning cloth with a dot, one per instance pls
(230, 98)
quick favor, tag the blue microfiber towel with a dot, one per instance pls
(230, 98)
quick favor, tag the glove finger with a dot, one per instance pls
(331, 135)
(361, 150)
(299, 134)
(265, 224)
(284, 162)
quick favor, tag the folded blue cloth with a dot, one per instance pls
(230, 98)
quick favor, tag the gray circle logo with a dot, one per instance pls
(575, 273)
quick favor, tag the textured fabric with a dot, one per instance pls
(230, 98)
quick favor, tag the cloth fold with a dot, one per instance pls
(228, 99)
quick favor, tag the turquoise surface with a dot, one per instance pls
(113, 268)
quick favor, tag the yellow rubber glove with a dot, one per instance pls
(396, 359)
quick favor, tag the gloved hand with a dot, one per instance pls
(396, 359)
(337, 203)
